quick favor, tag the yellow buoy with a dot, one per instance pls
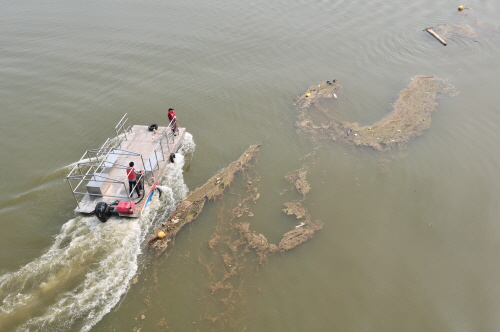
(161, 234)
(308, 94)
(460, 8)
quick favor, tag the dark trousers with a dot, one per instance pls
(131, 185)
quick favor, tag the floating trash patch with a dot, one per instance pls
(410, 117)
(469, 28)
(193, 203)
(234, 248)
(447, 31)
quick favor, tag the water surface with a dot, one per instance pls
(410, 238)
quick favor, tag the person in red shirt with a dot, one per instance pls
(132, 180)
(172, 117)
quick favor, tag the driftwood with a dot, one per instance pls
(429, 30)
(193, 203)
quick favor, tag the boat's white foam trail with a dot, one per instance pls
(88, 268)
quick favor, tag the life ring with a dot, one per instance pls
(152, 127)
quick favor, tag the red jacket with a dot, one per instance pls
(171, 115)
(131, 173)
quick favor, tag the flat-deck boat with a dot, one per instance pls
(99, 180)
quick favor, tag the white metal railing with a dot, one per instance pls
(96, 164)
(123, 126)
(162, 147)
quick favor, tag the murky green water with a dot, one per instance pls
(410, 237)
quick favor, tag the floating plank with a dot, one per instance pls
(432, 32)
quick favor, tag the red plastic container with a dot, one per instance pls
(126, 207)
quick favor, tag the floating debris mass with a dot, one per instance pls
(410, 117)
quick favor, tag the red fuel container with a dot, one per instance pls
(126, 207)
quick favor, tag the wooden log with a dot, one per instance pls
(429, 30)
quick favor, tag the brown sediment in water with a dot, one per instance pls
(299, 235)
(306, 229)
(303, 232)
(193, 203)
(295, 208)
(448, 30)
(234, 244)
(410, 117)
(256, 241)
(469, 27)
(298, 179)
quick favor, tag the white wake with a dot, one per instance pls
(89, 267)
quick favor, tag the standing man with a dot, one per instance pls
(173, 119)
(132, 180)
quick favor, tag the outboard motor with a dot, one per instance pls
(102, 211)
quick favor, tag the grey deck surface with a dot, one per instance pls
(142, 141)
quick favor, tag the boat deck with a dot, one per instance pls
(149, 150)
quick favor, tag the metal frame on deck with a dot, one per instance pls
(96, 164)
(160, 146)
(123, 126)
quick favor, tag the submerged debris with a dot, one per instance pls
(447, 31)
(298, 178)
(193, 203)
(256, 241)
(295, 208)
(410, 116)
(306, 229)
(299, 235)
(468, 28)
(232, 244)
(236, 247)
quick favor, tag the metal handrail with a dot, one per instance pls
(98, 161)
(121, 126)
(159, 147)
(92, 167)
